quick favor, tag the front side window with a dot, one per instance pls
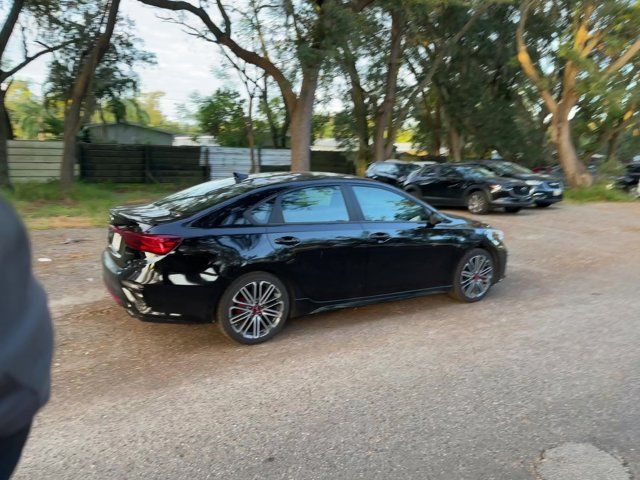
(477, 173)
(314, 205)
(508, 168)
(262, 213)
(380, 205)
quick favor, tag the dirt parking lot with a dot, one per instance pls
(425, 388)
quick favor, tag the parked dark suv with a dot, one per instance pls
(545, 189)
(629, 181)
(393, 172)
(253, 251)
(475, 187)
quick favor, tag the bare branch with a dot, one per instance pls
(224, 39)
(225, 17)
(31, 58)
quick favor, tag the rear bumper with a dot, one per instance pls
(157, 300)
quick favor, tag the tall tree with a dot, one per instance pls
(593, 43)
(309, 32)
(392, 62)
(95, 50)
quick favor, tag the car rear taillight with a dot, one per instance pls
(148, 242)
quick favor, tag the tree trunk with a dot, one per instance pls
(81, 83)
(455, 140)
(612, 146)
(6, 133)
(71, 128)
(255, 168)
(301, 122)
(390, 143)
(575, 171)
(384, 116)
(436, 133)
(361, 122)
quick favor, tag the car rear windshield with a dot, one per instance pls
(194, 199)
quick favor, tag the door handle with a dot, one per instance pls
(380, 237)
(287, 241)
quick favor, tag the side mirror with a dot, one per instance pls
(434, 219)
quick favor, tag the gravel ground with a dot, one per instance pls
(424, 388)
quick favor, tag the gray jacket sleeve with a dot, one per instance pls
(26, 336)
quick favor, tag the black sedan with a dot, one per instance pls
(545, 189)
(467, 185)
(393, 172)
(251, 252)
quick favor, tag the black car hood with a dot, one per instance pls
(459, 221)
(505, 181)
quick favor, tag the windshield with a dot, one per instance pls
(510, 168)
(205, 195)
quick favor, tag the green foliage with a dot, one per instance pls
(31, 118)
(114, 78)
(608, 98)
(599, 192)
(223, 116)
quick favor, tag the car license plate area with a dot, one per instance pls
(116, 242)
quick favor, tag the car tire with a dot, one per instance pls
(543, 204)
(475, 263)
(478, 203)
(254, 308)
(512, 209)
(414, 192)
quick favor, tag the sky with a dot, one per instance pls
(184, 64)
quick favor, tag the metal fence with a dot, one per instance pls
(40, 161)
(223, 161)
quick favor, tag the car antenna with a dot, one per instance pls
(238, 177)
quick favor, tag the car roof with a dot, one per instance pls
(263, 179)
(393, 160)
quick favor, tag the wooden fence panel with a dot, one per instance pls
(141, 164)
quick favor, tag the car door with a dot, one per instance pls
(430, 183)
(405, 251)
(317, 244)
(452, 185)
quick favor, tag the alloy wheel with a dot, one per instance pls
(256, 309)
(476, 276)
(476, 203)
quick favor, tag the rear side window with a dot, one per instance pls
(380, 205)
(315, 205)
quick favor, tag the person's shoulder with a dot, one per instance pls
(11, 228)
